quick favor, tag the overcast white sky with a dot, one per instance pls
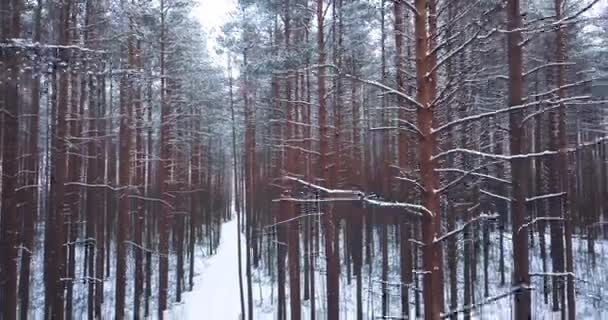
(213, 13)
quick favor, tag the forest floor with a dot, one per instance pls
(216, 290)
(216, 286)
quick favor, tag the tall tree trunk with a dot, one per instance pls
(431, 224)
(400, 63)
(563, 161)
(100, 221)
(74, 171)
(236, 193)
(139, 179)
(55, 262)
(521, 276)
(126, 123)
(163, 223)
(9, 232)
(30, 207)
(333, 281)
(249, 182)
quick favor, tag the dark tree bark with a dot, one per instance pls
(521, 276)
(9, 228)
(139, 173)
(236, 191)
(55, 263)
(333, 281)
(30, 195)
(123, 227)
(163, 222)
(562, 139)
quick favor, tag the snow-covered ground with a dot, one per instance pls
(216, 287)
(216, 291)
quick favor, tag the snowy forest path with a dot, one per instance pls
(216, 287)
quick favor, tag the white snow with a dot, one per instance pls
(216, 287)
(216, 290)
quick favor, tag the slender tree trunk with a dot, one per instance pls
(100, 221)
(452, 258)
(431, 224)
(126, 114)
(30, 202)
(151, 190)
(400, 63)
(563, 162)
(333, 281)
(521, 276)
(9, 232)
(249, 183)
(55, 270)
(163, 223)
(139, 179)
(384, 278)
(236, 193)
(74, 172)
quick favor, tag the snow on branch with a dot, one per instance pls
(454, 52)
(415, 182)
(460, 229)
(133, 196)
(555, 104)
(373, 83)
(283, 146)
(546, 196)
(302, 124)
(86, 279)
(411, 125)
(555, 90)
(27, 44)
(28, 186)
(483, 115)
(517, 156)
(300, 200)
(83, 241)
(485, 301)
(590, 143)
(537, 219)
(410, 6)
(404, 205)
(138, 246)
(494, 195)
(88, 185)
(365, 198)
(552, 274)
(390, 317)
(578, 13)
(464, 175)
(547, 65)
(321, 188)
(494, 155)
(292, 219)
(476, 174)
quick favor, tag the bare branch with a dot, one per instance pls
(536, 220)
(546, 196)
(460, 229)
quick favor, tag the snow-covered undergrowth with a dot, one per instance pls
(36, 311)
(216, 294)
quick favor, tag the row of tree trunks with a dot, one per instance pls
(78, 176)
